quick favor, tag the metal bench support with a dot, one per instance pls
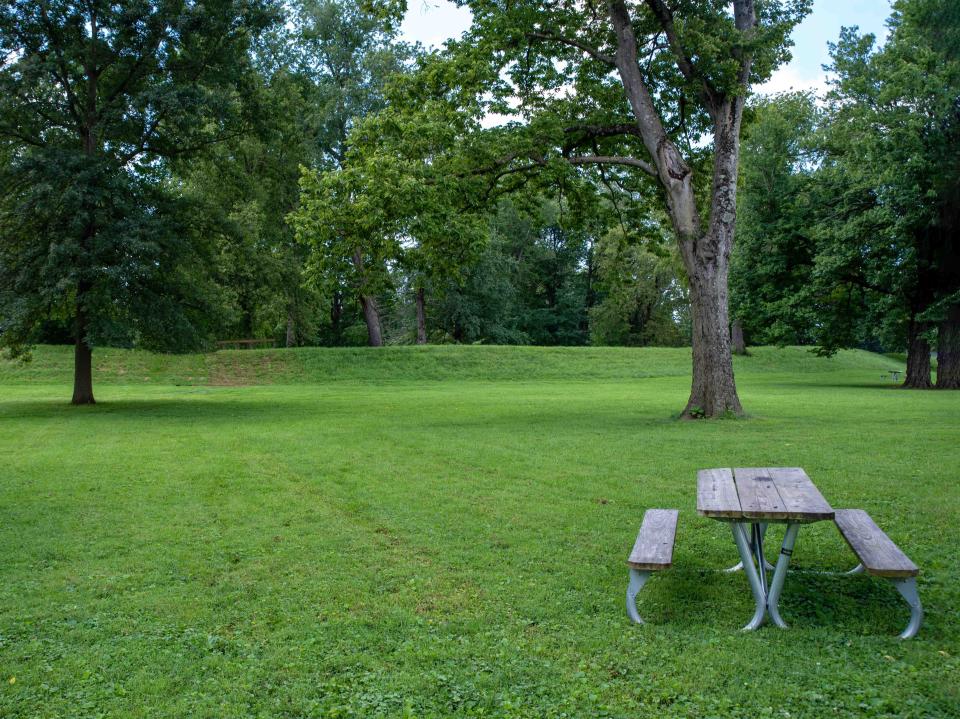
(738, 567)
(908, 590)
(638, 578)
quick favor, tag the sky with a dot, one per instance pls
(431, 22)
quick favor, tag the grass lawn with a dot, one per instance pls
(432, 532)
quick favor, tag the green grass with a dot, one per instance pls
(54, 365)
(442, 531)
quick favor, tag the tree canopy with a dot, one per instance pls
(95, 98)
(177, 173)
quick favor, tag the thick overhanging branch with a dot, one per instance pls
(591, 131)
(673, 171)
(573, 42)
(588, 134)
(613, 160)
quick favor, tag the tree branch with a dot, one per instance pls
(624, 128)
(664, 16)
(573, 42)
(613, 160)
(745, 19)
(60, 74)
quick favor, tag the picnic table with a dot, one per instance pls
(750, 499)
(246, 343)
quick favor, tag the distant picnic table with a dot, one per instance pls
(245, 344)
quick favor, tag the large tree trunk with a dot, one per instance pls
(918, 357)
(713, 392)
(948, 350)
(421, 318)
(706, 254)
(82, 360)
(371, 316)
(736, 338)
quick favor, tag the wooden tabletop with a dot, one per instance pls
(773, 494)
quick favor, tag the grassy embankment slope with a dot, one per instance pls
(442, 531)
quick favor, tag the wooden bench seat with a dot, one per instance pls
(876, 551)
(652, 552)
(879, 556)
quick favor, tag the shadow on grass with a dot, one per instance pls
(219, 409)
(860, 605)
(854, 605)
(234, 409)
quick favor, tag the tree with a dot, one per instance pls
(893, 141)
(641, 296)
(349, 53)
(772, 270)
(352, 232)
(630, 89)
(247, 185)
(95, 97)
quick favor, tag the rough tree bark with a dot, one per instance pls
(368, 303)
(291, 338)
(736, 338)
(421, 318)
(705, 250)
(918, 357)
(82, 355)
(948, 350)
(371, 315)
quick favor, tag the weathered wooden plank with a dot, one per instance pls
(758, 493)
(876, 551)
(653, 549)
(800, 496)
(717, 494)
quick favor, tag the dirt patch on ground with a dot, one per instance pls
(240, 368)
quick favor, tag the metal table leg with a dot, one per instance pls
(739, 565)
(746, 557)
(780, 574)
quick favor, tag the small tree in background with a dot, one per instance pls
(95, 96)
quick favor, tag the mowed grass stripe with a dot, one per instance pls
(456, 548)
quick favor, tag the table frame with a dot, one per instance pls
(797, 502)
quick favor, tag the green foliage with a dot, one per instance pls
(96, 99)
(246, 186)
(642, 300)
(848, 215)
(892, 144)
(143, 269)
(772, 265)
(368, 548)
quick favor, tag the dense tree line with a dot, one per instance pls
(850, 209)
(178, 173)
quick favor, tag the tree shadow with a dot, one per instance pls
(225, 409)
